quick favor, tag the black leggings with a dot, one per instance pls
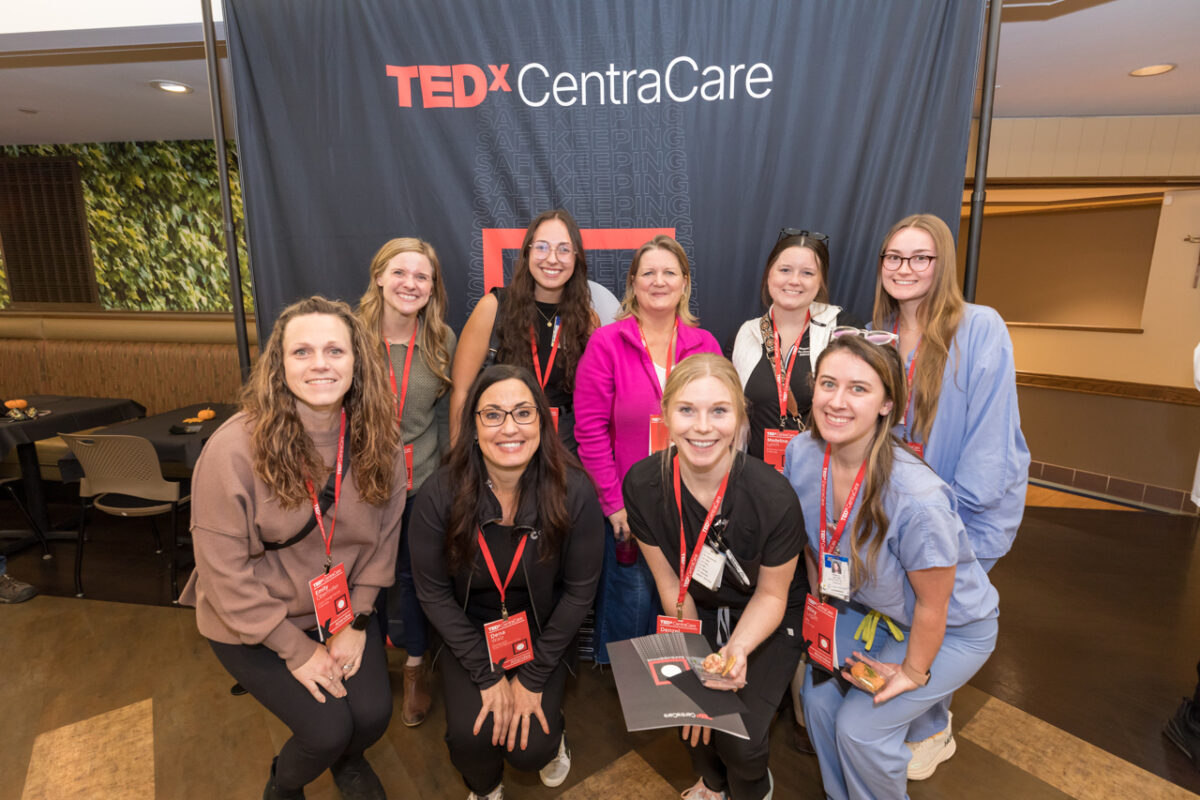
(739, 766)
(481, 763)
(321, 732)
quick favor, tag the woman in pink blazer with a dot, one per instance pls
(618, 416)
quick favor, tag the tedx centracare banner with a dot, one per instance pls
(719, 122)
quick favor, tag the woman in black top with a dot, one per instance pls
(510, 526)
(784, 343)
(541, 322)
(755, 532)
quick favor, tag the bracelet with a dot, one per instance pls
(919, 678)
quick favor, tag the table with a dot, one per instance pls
(67, 414)
(180, 448)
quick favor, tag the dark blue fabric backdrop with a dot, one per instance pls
(865, 118)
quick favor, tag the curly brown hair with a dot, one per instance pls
(575, 307)
(284, 456)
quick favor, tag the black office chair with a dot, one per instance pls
(122, 477)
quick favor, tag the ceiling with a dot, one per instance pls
(1057, 58)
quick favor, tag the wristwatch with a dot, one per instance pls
(361, 621)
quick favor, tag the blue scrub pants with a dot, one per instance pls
(860, 746)
(937, 719)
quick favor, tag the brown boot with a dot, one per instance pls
(416, 695)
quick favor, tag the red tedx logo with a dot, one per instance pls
(448, 86)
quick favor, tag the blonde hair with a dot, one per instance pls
(939, 315)
(434, 331)
(629, 306)
(284, 455)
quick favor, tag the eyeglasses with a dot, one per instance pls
(816, 237)
(918, 263)
(494, 417)
(542, 250)
(873, 336)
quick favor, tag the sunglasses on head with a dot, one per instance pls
(816, 237)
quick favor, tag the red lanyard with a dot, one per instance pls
(403, 392)
(686, 568)
(491, 565)
(337, 495)
(831, 545)
(553, 351)
(782, 388)
(670, 352)
(912, 368)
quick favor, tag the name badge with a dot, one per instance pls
(709, 569)
(818, 630)
(408, 465)
(660, 436)
(508, 641)
(835, 576)
(671, 625)
(331, 599)
(775, 444)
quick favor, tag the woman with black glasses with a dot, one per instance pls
(793, 332)
(506, 539)
(961, 415)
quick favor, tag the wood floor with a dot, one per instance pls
(117, 696)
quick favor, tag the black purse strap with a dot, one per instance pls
(324, 500)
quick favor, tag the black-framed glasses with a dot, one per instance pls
(814, 235)
(542, 249)
(919, 263)
(872, 336)
(492, 417)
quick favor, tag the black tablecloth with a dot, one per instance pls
(67, 414)
(182, 448)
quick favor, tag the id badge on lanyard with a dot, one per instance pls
(509, 643)
(702, 553)
(401, 394)
(775, 440)
(330, 590)
(916, 447)
(537, 368)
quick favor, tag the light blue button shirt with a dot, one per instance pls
(923, 532)
(976, 444)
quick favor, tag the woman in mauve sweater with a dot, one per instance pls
(622, 374)
(317, 399)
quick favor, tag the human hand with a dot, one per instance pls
(526, 706)
(620, 525)
(895, 682)
(496, 700)
(695, 733)
(735, 665)
(321, 671)
(346, 647)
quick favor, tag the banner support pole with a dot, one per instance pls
(231, 253)
(979, 188)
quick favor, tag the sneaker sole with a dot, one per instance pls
(554, 783)
(946, 753)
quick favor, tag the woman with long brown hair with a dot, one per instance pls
(541, 321)
(962, 415)
(300, 495)
(883, 540)
(506, 538)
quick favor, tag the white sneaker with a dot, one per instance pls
(927, 754)
(702, 792)
(494, 794)
(554, 773)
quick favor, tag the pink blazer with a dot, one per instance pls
(616, 392)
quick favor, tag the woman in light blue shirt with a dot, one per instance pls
(908, 558)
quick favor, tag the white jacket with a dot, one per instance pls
(747, 348)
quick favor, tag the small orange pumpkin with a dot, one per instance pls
(206, 413)
(18, 403)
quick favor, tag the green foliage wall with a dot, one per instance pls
(154, 216)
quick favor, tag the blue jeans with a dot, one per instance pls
(626, 602)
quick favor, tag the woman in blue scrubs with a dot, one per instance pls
(872, 504)
(962, 415)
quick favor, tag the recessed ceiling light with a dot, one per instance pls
(1153, 69)
(175, 87)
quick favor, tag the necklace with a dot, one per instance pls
(549, 320)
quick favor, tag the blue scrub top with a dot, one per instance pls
(924, 531)
(976, 444)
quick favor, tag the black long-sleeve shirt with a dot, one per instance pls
(556, 592)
